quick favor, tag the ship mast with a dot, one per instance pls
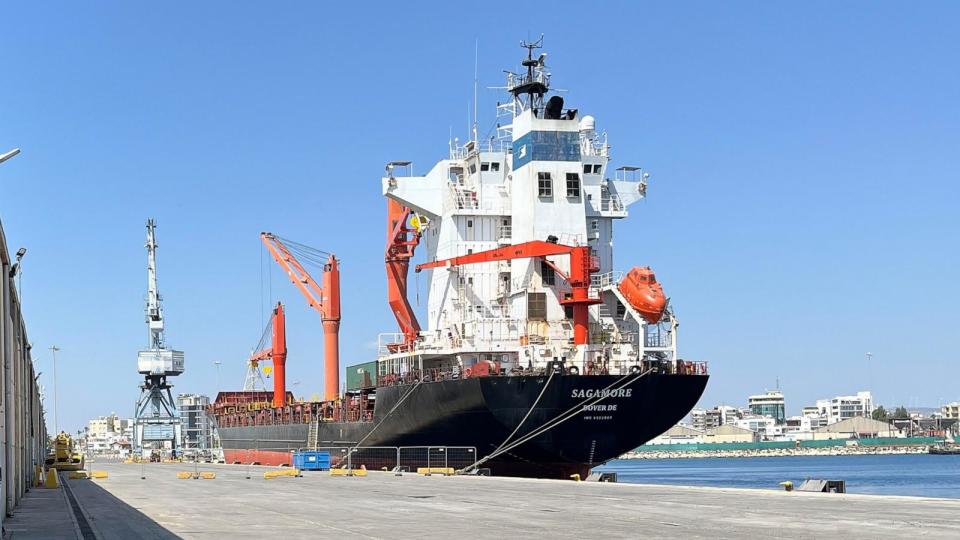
(535, 83)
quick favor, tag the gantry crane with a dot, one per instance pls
(325, 299)
(582, 266)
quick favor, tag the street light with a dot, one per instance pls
(8, 155)
(56, 425)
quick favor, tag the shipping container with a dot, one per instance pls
(362, 375)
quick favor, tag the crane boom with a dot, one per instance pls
(154, 311)
(399, 250)
(582, 265)
(324, 299)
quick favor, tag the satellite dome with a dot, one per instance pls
(588, 124)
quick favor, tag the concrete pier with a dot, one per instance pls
(382, 505)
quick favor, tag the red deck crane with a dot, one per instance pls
(582, 266)
(277, 353)
(325, 299)
(401, 243)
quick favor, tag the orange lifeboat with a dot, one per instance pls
(641, 289)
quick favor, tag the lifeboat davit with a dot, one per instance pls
(641, 289)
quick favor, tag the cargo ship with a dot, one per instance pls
(537, 352)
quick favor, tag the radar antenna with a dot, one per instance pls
(535, 82)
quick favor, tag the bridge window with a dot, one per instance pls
(495, 166)
(544, 185)
(484, 167)
(573, 185)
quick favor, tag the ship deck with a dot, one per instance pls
(382, 505)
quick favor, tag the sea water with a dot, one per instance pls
(921, 475)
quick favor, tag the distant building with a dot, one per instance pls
(769, 404)
(107, 435)
(857, 427)
(679, 434)
(951, 410)
(765, 427)
(102, 426)
(196, 425)
(842, 408)
(704, 419)
(730, 434)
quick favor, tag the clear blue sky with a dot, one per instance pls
(803, 208)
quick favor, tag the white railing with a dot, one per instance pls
(606, 279)
(504, 232)
(611, 203)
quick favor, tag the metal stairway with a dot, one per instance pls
(312, 433)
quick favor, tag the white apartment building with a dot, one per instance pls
(765, 427)
(704, 419)
(841, 408)
(951, 410)
(196, 425)
(108, 435)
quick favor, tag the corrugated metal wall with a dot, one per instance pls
(23, 435)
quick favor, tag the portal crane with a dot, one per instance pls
(325, 300)
(582, 266)
(156, 417)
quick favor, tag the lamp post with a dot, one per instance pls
(56, 424)
(19, 270)
(8, 155)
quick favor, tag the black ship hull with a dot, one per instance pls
(621, 413)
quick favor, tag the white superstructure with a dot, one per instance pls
(546, 176)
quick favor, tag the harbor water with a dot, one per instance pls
(919, 475)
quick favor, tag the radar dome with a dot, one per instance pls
(588, 124)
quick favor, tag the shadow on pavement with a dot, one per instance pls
(110, 517)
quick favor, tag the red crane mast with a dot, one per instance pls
(277, 353)
(324, 299)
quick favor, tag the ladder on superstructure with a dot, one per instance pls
(312, 434)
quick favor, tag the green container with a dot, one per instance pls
(362, 375)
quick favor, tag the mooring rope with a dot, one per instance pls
(532, 407)
(401, 400)
(561, 418)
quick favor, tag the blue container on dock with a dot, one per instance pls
(311, 460)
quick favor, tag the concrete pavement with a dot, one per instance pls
(386, 506)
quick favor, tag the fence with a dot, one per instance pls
(400, 458)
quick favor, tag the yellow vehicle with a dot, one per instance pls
(63, 457)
